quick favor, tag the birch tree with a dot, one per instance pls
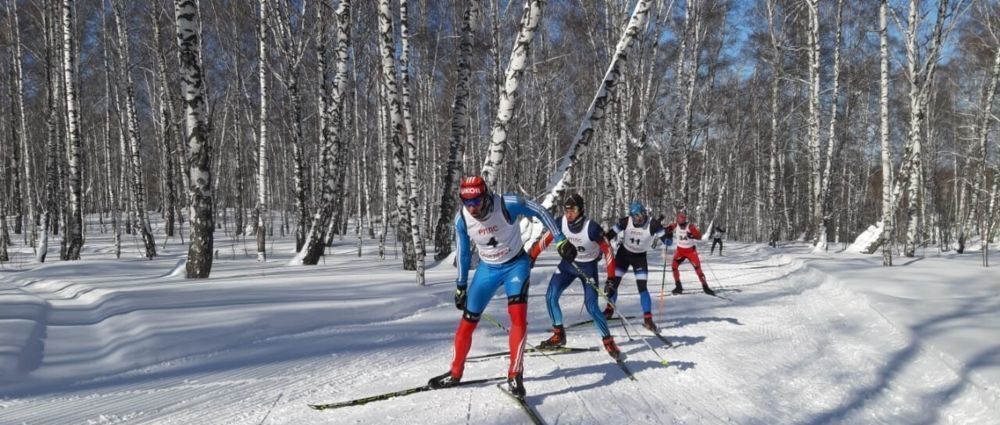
(394, 129)
(188, 28)
(442, 234)
(132, 121)
(411, 142)
(331, 117)
(884, 134)
(262, 160)
(18, 123)
(530, 19)
(75, 230)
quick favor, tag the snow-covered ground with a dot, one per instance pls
(808, 338)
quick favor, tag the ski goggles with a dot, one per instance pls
(573, 208)
(474, 202)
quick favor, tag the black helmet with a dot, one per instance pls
(574, 200)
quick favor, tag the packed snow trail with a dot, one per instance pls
(123, 341)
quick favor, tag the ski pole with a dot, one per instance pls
(663, 287)
(495, 322)
(624, 319)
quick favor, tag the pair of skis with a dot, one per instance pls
(528, 409)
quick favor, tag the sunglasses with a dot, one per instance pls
(569, 208)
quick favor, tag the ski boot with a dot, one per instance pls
(647, 322)
(444, 380)
(558, 339)
(612, 348)
(678, 289)
(515, 384)
(609, 312)
(707, 290)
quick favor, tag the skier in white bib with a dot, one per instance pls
(637, 233)
(587, 236)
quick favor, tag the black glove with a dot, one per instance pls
(460, 295)
(610, 235)
(566, 250)
(609, 289)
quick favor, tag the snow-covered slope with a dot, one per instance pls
(806, 339)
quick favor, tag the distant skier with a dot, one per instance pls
(717, 234)
(637, 234)
(587, 236)
(490, 221)
(685, 234)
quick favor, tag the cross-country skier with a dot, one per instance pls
(685, 234)
(717, 234)
(490, 221)
(637, 233)
(588, 238)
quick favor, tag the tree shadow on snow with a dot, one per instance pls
(930, 403)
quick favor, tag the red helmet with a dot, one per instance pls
(472, 187)
(681, 218)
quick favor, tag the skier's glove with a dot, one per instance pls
(566, 250)
(460, 296)
(668, 242)
(609, 289)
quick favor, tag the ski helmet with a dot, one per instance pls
(472, 187)
(636, 208)
(574, 200)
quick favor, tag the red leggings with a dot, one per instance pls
(691, 255)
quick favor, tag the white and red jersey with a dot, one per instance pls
(684, 236)
(495, 237)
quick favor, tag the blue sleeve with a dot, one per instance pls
(659, 232)
(621, 225)
(518, 206)
(464, 251)
(595, 232)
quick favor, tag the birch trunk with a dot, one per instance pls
(442, 234)
(815, 160)
(388, 81)
(411, 142)
(884, 134)
(166, 111)
(132, 120)
(331, 118)
(262, 159)
(18, 123)
(561, 179)
(188, 28)
(75, 230)
(825, 197)
(772, 181)
(15, 128)
(530, 19)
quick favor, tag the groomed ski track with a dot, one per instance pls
(795, 346)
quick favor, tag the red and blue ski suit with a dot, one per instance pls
(503, 262)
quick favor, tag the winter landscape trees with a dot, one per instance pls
(785, 119)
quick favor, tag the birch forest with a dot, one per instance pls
(337, 121)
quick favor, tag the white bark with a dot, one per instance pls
(442, 234)
(823, 213)
(188, 26)
(395, 130)
(19, 125)
(132, 121)
(75, 219)
(262, 159)
(884, 134)
(411, 143)
(331, 118)
(530, 19)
